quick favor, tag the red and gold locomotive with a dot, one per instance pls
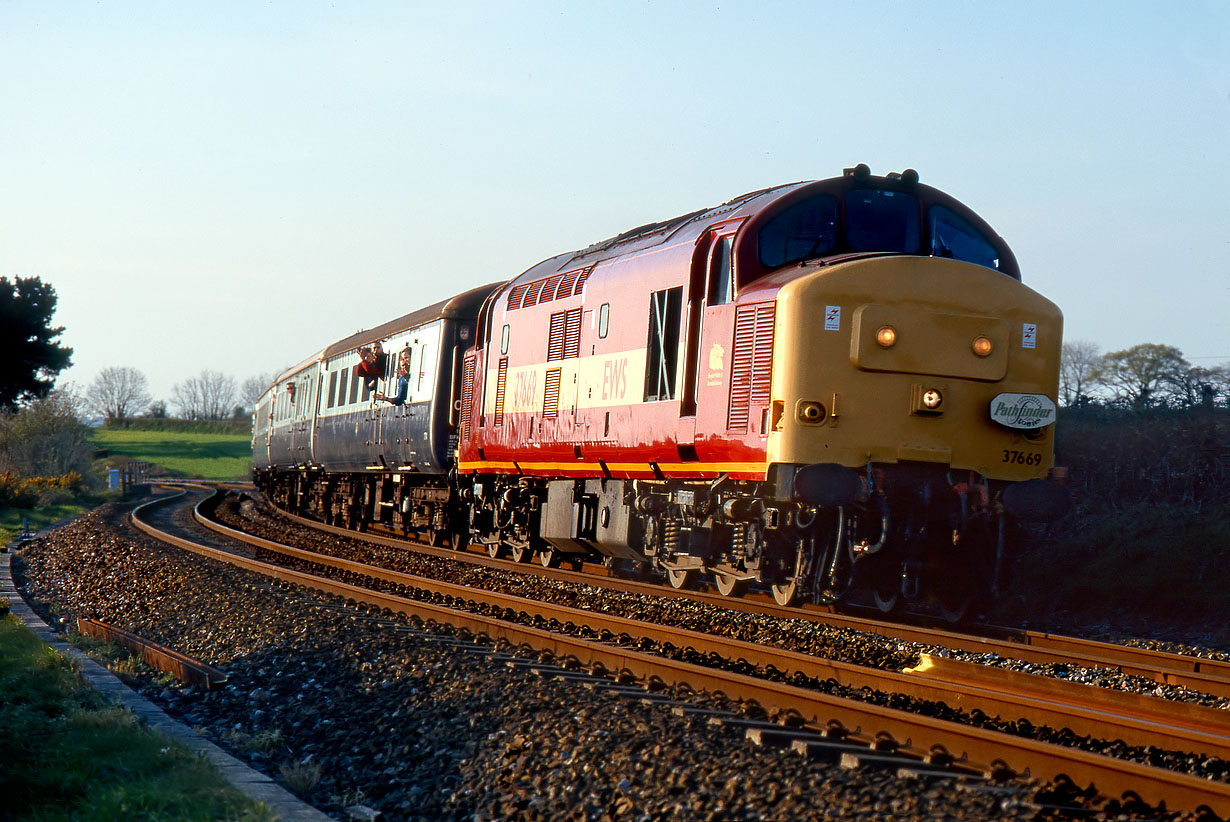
(812, 386)
(826, 388)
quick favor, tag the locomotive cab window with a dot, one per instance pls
(721, 272)
(806, 229)
(878, 220)
(665, 309)
(952, 236)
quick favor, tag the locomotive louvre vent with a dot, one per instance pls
(550, 396)
(751, 366)
(501, 381)
(467, 395)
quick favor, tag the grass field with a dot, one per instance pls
(68, 755)
(188, 454)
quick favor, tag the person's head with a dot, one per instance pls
(365, 353)
(377, 349)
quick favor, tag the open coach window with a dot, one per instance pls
(952, 236)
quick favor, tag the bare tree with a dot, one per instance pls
(1078, 364)
(1140, 375)
(210, 396)
(117, 393)
(252, 388)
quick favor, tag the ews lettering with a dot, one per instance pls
(615, 379)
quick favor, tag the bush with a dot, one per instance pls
(27, 492)
(45, 439)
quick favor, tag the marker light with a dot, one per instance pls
(982, 346)
(886, 336)
(932, 399)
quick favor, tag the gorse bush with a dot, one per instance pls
(26, 492)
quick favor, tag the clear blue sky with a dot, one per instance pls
(233, 185)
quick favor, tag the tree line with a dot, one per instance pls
(1141, 377)
(122, 392)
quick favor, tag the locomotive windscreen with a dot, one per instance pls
(874, 219)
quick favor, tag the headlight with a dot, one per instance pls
(886, 336)
(983, 346)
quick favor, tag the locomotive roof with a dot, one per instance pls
(754, 205)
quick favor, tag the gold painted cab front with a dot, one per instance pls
(895, 359)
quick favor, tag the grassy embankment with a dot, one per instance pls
(69, 755)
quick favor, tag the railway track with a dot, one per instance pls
(643, 651)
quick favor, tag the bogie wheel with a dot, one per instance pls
(520, 552)
(459, 540)
(786, 594)
(681, 578)
(495, 548)
(434, 537)
(729, 585)
(886, 587)
(549, 558)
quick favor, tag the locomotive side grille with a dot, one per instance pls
(751, 364)
(555, 287)
(564, 337)
(531, 293)
(568, 283)
(550, 397)
(581, 281)
(467, 395)
(501, 380)
(572, 333)
(555, 337)
(548, 292)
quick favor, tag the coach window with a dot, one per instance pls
(504, 341)
(341, 386)
(604, 314)
(721, 272)
(952, 236)
(332, 388)
(665, 309)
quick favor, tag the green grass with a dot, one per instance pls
(69, 756)
(11, 518)
(188, 454)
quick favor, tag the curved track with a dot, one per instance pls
(972, 749)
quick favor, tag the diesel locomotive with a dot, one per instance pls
(831, 389)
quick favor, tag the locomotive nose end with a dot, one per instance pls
(828, 485)
(1037, 500)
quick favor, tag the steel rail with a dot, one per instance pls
(1085, 710)
(1180, 670)
(918, 736)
